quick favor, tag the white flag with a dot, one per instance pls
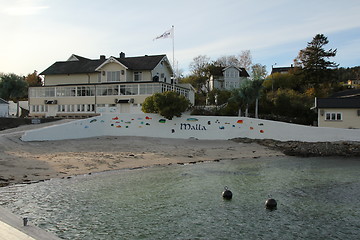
(167, 34)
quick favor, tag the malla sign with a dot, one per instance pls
(188, 126)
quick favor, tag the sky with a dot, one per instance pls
(37, 33)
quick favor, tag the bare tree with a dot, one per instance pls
(258, 71)
(245, 60)
(199, 64)
(242, 60)
(230, 60)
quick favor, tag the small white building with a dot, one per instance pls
(13, 107)
(4, 108)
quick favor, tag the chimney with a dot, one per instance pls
(102, 57)
(122, 55)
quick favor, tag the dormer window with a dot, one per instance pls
(137, 76)
(113, 76)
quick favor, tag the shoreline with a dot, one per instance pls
(31, 162)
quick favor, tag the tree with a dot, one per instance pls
(245, 59)
(246, 94)
(258, 71)
(225, 60)
(287, 80)
(242, 60)
(33, 79)
(199, 76)
(167, 104)
(199, 64)
(13, 87)
(314, 60)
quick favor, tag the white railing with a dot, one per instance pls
(105, 90)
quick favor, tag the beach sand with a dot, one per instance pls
(27, 162)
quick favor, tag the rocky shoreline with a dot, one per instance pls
(309, 149)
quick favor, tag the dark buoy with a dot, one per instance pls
(227, 194)
(270, 203)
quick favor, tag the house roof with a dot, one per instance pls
(281, 69)
(218, 71)
(2, 101)
(77, 64)
(352, 93)
(338, 102)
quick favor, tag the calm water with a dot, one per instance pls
(318, 198)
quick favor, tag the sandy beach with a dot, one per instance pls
(26, 162)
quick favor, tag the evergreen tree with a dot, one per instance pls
(314, 60)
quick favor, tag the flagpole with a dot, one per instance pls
(173, 46)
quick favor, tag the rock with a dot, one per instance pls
(309, 149)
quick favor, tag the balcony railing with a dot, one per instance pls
(125, 89)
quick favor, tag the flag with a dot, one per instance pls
(167, 34)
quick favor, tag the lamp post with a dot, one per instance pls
(272, 79)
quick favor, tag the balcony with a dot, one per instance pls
(119, 89)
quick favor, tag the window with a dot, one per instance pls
(61, 108)
(85, 91)
(65, 91)
(113, 76)
(70, 108)
(85, 107)
(50, 92)
(107, 90)
(39, 108)
(137, 76)
(333, 116)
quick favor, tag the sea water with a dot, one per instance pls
(318, 198)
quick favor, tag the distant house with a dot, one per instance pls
(354, 83)
(4, 108)
(342, 110)
(226, 78)
(82, 87)
(282, 69)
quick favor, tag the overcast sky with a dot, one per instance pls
(37, 33)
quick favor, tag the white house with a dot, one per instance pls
(4, 108)
(226, 78)
(342, 110)
(82, 87)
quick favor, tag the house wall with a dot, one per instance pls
(65, 105)
(4, 110)
(350, 118)
(162, 69)
(146, 75)
(113, 67)
(200, 127)
(230, 79)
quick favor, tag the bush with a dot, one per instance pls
(167, 104)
